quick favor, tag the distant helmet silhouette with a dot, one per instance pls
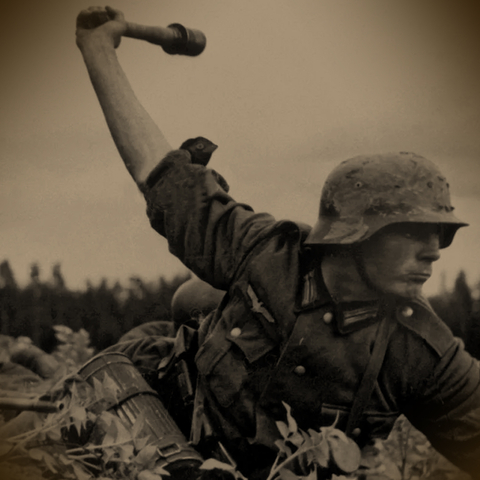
(368, 192)
(193, 299)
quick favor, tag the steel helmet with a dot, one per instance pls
(368, 192)
(193, 298)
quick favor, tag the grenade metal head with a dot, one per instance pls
(368, 192)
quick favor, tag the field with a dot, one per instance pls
(50, 446)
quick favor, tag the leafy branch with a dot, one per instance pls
(328, 449)
(78, 444)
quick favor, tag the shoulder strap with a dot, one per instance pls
(364, 392)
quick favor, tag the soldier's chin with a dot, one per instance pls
(405, 290)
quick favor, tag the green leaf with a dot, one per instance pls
(298, 440)
(84, 335)
(283, 429)
(36, 454)
(112, 389)
(138, 425)
(51, 463)
(80, 473)
(110, 430)
(98, 389)
(159, 470)
(141, 442)
(125, 453)
(334, 432)
(321, 454)
(146, 455)
(345, 452)
(43, 456)
(55, 434)
(310, 457)
(292, 424)
(148, 475)
(281, 445)
(415, 458)
(108, 454)
(65, 460)
(211, 464)
(38, 421)
(317, 437)
(62, 333)
(79, 417)
(124, 435)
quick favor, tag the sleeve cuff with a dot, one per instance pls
(172, 159)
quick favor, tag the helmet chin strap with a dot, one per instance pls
(362, 270)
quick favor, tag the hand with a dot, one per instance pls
(95, 22)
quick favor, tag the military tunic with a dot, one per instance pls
(278, 336)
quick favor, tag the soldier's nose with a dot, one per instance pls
(430, 248)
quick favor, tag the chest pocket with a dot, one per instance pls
(239, 340)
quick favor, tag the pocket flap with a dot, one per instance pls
(210, 353)
(251, 340)
(247, 325)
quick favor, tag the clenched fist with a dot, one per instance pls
(100, 21)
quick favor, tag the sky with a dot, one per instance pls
(287, 89)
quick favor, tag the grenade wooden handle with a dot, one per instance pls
(174, 39)
(28, 404)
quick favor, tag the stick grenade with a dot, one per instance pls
(175, 39)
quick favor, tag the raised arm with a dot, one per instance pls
(186, 202)
(138, 139)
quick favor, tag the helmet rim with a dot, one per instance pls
(358, 229)
(368, 192)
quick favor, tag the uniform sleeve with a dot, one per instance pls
(448, 409)
(205, 228)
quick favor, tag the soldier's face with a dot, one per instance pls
(398, 259)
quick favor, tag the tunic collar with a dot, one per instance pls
(349, 316)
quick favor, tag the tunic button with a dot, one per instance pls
(327, 317)
(235, 332)
(299, 370)
(407, 311)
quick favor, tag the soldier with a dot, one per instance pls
(329, 319)
(146, 343)
(193, 301)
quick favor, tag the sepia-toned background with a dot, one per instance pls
(287, 89)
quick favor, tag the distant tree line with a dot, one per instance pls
(105, 311)
(459, 308)
(108, 311)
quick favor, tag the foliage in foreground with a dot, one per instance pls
(77, 444)
(53, 447)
